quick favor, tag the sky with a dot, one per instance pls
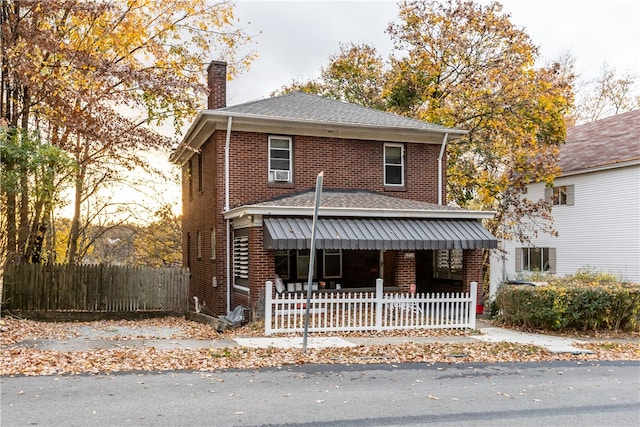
(295, 38)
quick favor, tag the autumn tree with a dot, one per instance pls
(463, 65)
(610, 93)
(159, 243)
(91, 76)
(356, 75)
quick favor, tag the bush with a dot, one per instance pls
(585, 301)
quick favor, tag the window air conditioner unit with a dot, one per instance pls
(280, 175)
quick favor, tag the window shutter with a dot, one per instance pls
(570, 194)
(518, 259)
(552, 260)
(241, 257)
(548, 195)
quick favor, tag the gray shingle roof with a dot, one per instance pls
(352, 199)
(604, 142)
(313, 108)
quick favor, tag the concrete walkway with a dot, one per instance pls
(92, 339)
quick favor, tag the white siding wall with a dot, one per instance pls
(601, 230)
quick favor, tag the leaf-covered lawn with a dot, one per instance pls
(27, 361)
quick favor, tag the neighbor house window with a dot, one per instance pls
(394, 164)
(280, 159)
(560, 195)
(536, 259)
(332, 263)
(448, 264)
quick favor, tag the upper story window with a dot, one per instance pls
(190, 178)
(280, 159)
(199, 243)
(560, 195)
(394, 164)
(199, 172)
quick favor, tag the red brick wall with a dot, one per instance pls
(261, 262)
(352, 164)
(405, 271)
(472, 269)
(217, 83)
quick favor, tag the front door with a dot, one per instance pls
(424, 271)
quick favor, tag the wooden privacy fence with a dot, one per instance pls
(60, 287)
(369, 311)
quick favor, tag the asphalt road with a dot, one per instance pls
(522, 394)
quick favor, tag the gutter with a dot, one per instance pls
(245, 211)
(226, 209)
(442, 148)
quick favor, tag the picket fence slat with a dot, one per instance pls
(368, 311)
(62, 287)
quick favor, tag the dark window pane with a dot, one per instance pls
(393, 155)
(280, 164)
(393, 175)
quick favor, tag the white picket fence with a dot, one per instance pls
(368, 311)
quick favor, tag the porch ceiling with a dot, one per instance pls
(376, 233)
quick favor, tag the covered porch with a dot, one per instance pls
(413, 247)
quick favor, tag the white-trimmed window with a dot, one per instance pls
(394, 164)
(280, 159)
(199, 243)
(560, 195)
(213, 243)
(282, 263)
(536, 259)
(241, 259)
(448, 263)
(332, 263)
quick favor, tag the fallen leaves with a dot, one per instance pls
(15, 360)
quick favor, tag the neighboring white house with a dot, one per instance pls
(596, 207)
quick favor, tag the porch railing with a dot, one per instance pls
(369, 311)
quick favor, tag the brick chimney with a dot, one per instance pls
(217, 82)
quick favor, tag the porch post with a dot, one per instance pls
(473, 293)
(379, 303)
(268, 289)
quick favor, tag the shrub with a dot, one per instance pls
(588, 300)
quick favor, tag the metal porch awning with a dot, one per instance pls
(376, 234)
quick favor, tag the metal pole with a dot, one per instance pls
(312, 258)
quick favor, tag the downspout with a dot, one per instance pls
(226, 209)
(442, 148)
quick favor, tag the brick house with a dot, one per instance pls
(248, 180)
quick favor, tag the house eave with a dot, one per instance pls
(208, 121)
(600, 168)
(259, 211)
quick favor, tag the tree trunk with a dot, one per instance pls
(74, 233)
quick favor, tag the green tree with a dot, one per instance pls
(33, 175)
(159, 243)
